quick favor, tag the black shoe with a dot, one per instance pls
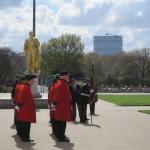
(65, 137)
(64, 140)
(83, 121)
(18, 133)
(27, 140)
(92, 113)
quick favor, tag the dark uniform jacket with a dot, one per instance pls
(85, 94)
(75, 92)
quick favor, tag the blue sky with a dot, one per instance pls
(86, 18)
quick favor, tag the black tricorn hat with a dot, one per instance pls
(22, 78)
(72, 79)
(63, 73)
(30, 77)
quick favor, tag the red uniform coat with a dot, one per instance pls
(51, 93)
(24, 98)
(51, 97)
(62, 98)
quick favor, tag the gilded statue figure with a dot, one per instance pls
(31, 50)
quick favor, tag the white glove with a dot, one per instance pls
(52, 107)
(17, 107)
(92, 91)
(49, 106)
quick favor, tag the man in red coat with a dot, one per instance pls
(25, 107)
(62, 100)
(52, 107)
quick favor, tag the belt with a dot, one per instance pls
(85, 95)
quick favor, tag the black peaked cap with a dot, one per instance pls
(30, 77)
(63, 73)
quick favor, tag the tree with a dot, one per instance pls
(97, 60)
(5, 64)
(11, 64)
(140, 60)
(62, 53)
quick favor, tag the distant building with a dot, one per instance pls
(108, 44)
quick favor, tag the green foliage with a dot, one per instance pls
(97, 60)
(11, 64)
(127, 100)
(62, 53)
(125, 68)
(145, 111)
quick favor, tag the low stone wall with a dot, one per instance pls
(7, 104)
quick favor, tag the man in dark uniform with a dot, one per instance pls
(75, 90)
(84, 100)
(25, 107)
(62, 102)
(93, 99)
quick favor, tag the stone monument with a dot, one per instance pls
(31, 50)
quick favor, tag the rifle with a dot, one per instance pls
(92, 87)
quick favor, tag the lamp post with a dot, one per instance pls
(34, 16)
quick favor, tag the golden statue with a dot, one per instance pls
(31, 50)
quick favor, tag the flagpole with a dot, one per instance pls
(34, 16)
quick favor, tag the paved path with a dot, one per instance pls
(7, 96)
(4, 96)
(113, 128)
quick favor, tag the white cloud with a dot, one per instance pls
(139, 13)
(84, 32)
(89, 4)
(69, 10)
(57, 3)
(111, 17)
(85, 18)
(18, 22)
(45, 19)
(127, 32)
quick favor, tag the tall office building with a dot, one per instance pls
(108, 44)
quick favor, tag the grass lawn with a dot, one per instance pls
(127, 100)
(145, 111)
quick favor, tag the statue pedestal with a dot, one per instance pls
(35, 90)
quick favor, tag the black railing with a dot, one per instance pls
(124, 89)
(6, 87)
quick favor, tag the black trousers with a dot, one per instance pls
(92, 108)
(23, 129)
(17, 127)
(59, 128)
(83, 112)
(74, 110)
(15, 116)
(53, 125)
